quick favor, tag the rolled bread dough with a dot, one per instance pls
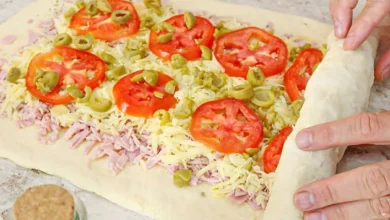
(149, 192)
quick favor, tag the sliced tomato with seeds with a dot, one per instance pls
(274, 150)
(101, 25)
(233, 51)
(227, 125)
(184, 42)
(74, 67)
(138, 98)
(298, 75)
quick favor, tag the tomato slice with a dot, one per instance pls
(274, 150)
(72, 65)
(227, 125)
(138, 99)
(183, 41)
(299, 73)
(102, 27)
(233, 52)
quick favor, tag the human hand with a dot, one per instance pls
(362, 193)
(356, 33)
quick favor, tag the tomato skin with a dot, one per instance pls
(237, 64)
(140, 98)
(238, 119)
(103, 30)
(88, 62)
(293, 82)
(183, 40)
(274, 150)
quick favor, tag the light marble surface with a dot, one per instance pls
(14, 179)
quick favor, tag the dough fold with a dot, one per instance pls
(340, 87)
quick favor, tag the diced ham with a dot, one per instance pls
(152, 161)
(32, 37)
(239, 198)
(9, 39)
(270, 25)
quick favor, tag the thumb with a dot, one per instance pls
(365, 128)
(382, 69)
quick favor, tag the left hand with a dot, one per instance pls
(362, 193)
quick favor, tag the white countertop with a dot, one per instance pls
(14, 179)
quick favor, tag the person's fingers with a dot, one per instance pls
(341, 12)
(364, 128)
(382, 68)
(365, 209)
(368, 182)
(372, 14)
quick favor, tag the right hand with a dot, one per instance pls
(358, 31)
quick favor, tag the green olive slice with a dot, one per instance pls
(88, 92)
(121, 16)
(170, 87)
(185, 109)
(13, 75)
(138, 78)
(252, 151)
(242, 92)
(83, 42)
(104, 6)
(255, 77)
(46, 81)
(296, 106)
(91, 8)
(182, 178)
(62, 40)
(99, 104)
(151, 77)
(190, 20)
(158, 94)
(108, 58)
(206, 52)
(178, 61)
(165, 38)
(75, 92)
(163, 115)
(116, 73)
(263, 99)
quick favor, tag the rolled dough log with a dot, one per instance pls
(340, 87)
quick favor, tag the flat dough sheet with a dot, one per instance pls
(149, 192)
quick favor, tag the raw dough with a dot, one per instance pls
(340, 87)
(150, 192)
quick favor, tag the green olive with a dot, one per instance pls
(252, 151)
(138, 78)
(220, 32)
(155, 5)
(190, 20)
(70, 13)
(13, 75)
(46, 81)
(164, 26)
(255, 77)
(104, 6)
(178, 61)
(108, 58)
(83, 42)
(185, 109)
(264, 99)
(165, 38)
(91, 8)
(99, 104)
(151, 77)
(116, 73)
(214, 82)
(306, 46)
(62, 40)
(170, 87)
(121, 16)
(315, 67)
(88, 92)
(80, 4)
(163, 115)
(75, 92)
(242, 92)
(158, 94)
(296, 106)
(182, 178)
(206, 52)
(249, 165)
(254, 44)
(147, 22)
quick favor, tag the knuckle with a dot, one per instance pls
(379, 207)
(375, 182)
(366, 124)
(326, 196)
(329, 134)
(337, 212)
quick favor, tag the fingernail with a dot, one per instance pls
(348, 43)
(338, 28)
(304, 139)
(315, 216)
(304, 200)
